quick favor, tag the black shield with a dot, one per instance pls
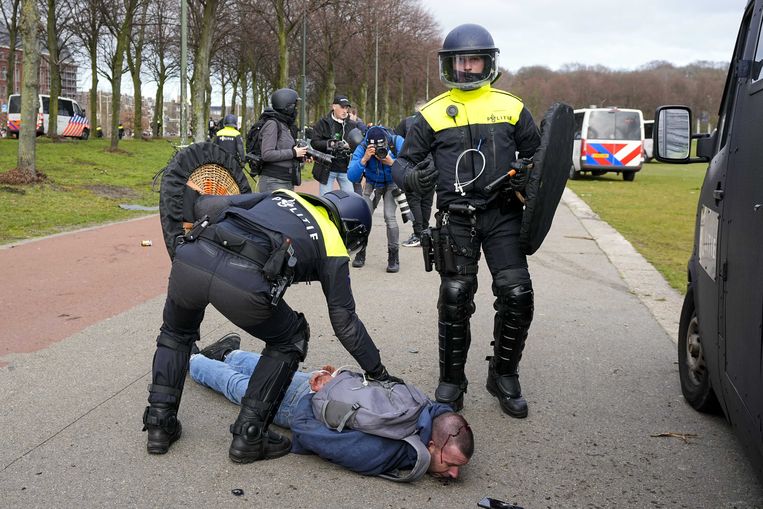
(549, 176)
(173, 211)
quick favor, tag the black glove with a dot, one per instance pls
(382, 375)
(421, 179)
(518, 182)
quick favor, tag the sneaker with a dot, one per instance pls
(222, 347)
(413, 241)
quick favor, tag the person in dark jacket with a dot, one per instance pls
(474, 132)
(447, 436)
(280, 154)
(330, 136)
(229, 139)
(373, 158)
(421, 206)
(241, 256)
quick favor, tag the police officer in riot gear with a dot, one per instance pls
(240, 256)
(229, 139)
(473, 132)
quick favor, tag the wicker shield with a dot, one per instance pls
(202, 167)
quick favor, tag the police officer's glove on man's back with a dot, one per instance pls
(421, 179)
(518, 182)
(382, 375)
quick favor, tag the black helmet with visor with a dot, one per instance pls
(468, 58)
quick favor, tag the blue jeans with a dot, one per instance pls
(230, 378)
(341, 178)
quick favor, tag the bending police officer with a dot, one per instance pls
(241, 262)
(473, 132)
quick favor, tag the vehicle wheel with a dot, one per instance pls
(598, 173)
(85, 134)
(574, 175)
(695, 379)
(628, 176)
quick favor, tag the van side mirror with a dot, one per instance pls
(672, 136)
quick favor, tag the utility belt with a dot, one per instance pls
(277, 266)
(442, 251)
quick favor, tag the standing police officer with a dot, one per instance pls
(242, 264)
(473, 132)
(229, 139)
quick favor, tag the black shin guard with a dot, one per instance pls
(514, 308)
(454, 340)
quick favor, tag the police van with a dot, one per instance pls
(608, 140)
(72, 121)
(720, 343)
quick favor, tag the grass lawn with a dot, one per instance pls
(655, 212)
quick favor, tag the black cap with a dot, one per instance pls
(342, 100)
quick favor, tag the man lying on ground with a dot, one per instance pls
(446, 435)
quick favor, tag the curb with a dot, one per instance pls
(642, 278)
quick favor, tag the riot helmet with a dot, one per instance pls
(284, 100)
(349, 212)
(468, 58)
(230, 120)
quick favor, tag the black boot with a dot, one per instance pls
(393, 260)
(360, 258)
(252, 441)
(163, 426)
(503, 371)
(454, 339)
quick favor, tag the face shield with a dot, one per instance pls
(468, 71)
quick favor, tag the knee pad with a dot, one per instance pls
(514, 296)
(296, 349)
(455, 303)
(178, 343)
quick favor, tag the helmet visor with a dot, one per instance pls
(467, 70)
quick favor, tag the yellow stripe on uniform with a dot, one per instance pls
(458, 108)
(331, 238)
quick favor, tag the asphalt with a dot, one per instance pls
(599, 373)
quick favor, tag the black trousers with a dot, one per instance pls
(202, 274)
(421, 208)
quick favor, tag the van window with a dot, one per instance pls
(65, 107)
(648, 128)
(614, 125)
(578, 124)
(14, 104)
(77, 110)
(757, 63)
(46, 105)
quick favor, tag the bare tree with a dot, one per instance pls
(87, 27)
(205, 14)
(10, 11)
(162, 53)
(59, 17)
(134, 53)
(29, 25)
(118, 19)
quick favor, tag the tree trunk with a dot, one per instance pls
(158, 120)
(135, 64)
(116, 80)
(13, 40)
(201, 71)
(54, 67)
(244, 87)
(30, 18)
(283, 48)
(93, 114)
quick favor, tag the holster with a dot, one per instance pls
(279, 270)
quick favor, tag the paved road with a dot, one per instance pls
(599, 373)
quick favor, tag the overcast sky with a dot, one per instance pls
(619, 34)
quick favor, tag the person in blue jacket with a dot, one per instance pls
(446, 435)
(373, 158)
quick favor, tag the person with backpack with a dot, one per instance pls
(429, 438)
(229, 139)
(273, 142)
(373, 158)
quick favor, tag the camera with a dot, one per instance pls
(402, 202)
(381, 153)
(315, 154)
(340, 149)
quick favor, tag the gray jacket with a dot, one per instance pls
(277, 148)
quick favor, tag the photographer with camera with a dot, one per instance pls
(280, 153)
(330, 136)
(374, 157)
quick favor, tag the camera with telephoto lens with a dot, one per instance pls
(402, 202)
(340, 149)
(382, 151)
(315, 154)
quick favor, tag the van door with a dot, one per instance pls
(65, 114)
(741, 234)
(577, 140)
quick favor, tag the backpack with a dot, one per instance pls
(385, 409)
(253, 144)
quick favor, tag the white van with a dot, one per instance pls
(608, 140)
(72, 121)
